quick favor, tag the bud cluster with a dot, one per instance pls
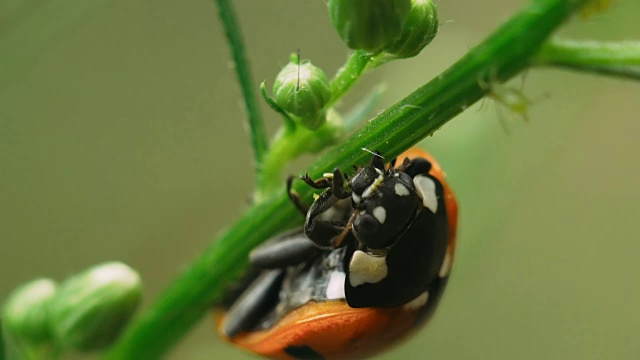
(85, 312)
(398, 27)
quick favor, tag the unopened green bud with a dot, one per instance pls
(25, 311)
(91, 308)
(302, 91)
(421, 27)
(369, 25)
(419, 30)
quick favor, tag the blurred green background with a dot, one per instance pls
(122, 138)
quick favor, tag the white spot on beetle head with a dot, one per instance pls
(401, 190)
(427, 190)
(335, 286)
(380, 214)
(418, 302)
(367, 269)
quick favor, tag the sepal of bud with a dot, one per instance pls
(419, 29)
(91, 308)
(25, 312)
(302, 91)
(369, 25)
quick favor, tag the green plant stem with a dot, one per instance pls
(243, 71)
(348, 74)
(617, 58)
(505, 53)
(358, 113)
(291, 143)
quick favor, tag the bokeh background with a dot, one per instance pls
(122, 138)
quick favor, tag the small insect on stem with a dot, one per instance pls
(506, 97)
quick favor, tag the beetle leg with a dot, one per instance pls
(405, 163)
(325, 234)
(337, 187)
(392, 164)
(295, 198)
(324, 202)
(254, 303)
(337, 241)
(322, 183)
(290, 249)
(321, 226)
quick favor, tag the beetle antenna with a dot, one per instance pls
(405, 164)
(392, 164)
(295, 197)
(375, 154)
(377, 161)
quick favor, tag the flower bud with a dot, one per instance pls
(369, 25)
(302, 90)
(25, 311)
(91, 308)
(419, 29)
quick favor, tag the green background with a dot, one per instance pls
(122, 138)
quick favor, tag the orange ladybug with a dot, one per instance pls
(367, 268)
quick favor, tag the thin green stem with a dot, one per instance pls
(243, 71)
(505, 53)
(358, 113)
(348, 74)
(617, 58)
(290, 143)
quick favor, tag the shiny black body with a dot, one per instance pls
(411, 239)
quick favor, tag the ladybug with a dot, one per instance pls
(368, 267)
